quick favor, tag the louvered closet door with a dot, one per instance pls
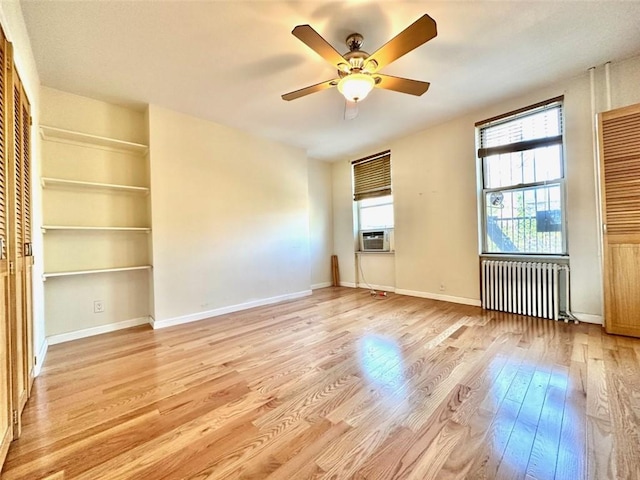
(27, 295)
(6, 430)
(620, 180)
(18, 318)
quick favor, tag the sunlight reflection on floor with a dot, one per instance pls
(530, 420)
(382, 363)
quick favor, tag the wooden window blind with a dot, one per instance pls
(372, 176)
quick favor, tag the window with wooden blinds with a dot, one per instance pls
(621, 153)
(372, 176)
(3, 150)
(17, 125)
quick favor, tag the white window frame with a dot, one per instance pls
(360, 208)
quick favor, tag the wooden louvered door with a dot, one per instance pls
(619, 132)
(6, 397)
(27, 257)
(19, 153)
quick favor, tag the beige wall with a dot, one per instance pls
(230, 216)
(435, 192)
(344, 231)
(16, 32)
(625, 80)
(320, 223)
(69, 303)
(74, 112)
(376, 271)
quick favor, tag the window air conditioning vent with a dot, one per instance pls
(374, 240)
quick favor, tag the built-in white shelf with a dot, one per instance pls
(69, 136)
(63, 182)
(97, 229)
(88, 272)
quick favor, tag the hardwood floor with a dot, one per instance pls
(334, 386)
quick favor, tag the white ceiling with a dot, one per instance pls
(229, 61)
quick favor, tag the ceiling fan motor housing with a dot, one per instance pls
(354, 41)
(356, 57)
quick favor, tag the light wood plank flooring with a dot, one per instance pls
(334, 386)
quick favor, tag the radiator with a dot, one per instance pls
(526, 288)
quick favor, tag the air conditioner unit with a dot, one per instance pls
(375, 240)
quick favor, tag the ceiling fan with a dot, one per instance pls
(358, 71)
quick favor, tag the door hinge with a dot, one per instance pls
(15, 417)
(12, 268)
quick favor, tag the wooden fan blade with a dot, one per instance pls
(419, 32)
(315, 42)
(402, 85)
(312, 89)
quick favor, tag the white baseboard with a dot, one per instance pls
(371, 286)
(348, 284)
(90, 332)
(436, 296)
(316, 286)
(40, 356)
(194, 317)
(589, 318)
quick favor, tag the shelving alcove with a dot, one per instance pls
(96, 226)
(95, 197)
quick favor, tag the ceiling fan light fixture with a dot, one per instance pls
(356, 86)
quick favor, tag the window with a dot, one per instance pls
(522, 164)
(376, 212)
(372, 191)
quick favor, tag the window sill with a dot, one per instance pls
(525, 257)
(376, 253)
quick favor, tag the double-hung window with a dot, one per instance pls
(521, 156)
(372, 191)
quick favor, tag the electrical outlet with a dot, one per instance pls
(98, 306)
(442, 287)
